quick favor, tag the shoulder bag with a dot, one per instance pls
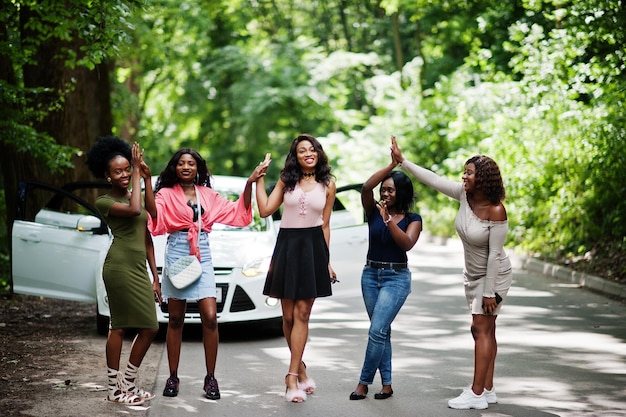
(187, 269)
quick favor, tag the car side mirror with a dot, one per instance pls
(88, 224)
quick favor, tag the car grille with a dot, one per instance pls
(241, 301)
(222, 270)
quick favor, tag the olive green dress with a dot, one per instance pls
(125, 273)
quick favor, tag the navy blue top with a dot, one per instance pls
(382, 247)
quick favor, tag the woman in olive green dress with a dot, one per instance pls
(129, 288)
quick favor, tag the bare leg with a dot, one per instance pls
(483, 331)
(114, 348)
(492, 365)
(296, 314)
(138, 351)
(210, 334)
(141, 344)
(174, 337)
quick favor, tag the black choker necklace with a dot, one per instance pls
(187, 184)
(308, 174)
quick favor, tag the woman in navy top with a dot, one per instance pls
(386, 279)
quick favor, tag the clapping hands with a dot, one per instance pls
(139, 163)
(396, 152)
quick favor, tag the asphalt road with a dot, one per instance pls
(562, 352)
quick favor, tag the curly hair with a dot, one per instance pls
(168, 177)
(292, 173)
(405, 195)
(103, 151)
(488, 178)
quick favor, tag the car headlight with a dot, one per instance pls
(256, 266)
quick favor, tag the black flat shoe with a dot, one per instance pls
(355, 396)
(383, 395)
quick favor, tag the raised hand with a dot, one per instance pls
(261, 169)
(144, 169)
(137, 156)
(396, 152)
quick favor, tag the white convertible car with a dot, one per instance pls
(60, 242)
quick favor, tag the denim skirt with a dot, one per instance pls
(178, 246)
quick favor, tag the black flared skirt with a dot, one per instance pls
(299, 267)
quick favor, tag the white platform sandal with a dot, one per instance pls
(116, 394)
(127, 383)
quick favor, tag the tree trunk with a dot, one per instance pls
(345, 25)
(397, 41)
(77, 117)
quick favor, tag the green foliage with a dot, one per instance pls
(16, 128)
(34, 25)
(538, 86)
(102, 25)
(40, 43)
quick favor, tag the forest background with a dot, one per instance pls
(537, 85)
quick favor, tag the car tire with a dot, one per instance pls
(102, 323)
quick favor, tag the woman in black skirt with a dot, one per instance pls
(300, 270)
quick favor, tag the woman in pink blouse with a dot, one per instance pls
(185, 181)
(300, 269)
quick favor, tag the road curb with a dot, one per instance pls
(520, 260)
(591, 282)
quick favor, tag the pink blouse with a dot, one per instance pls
(304, 209)
(174, 214)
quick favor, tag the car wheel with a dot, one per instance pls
(102, 323)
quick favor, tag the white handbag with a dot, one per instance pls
(187, 269)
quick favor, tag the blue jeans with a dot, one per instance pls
(384, 293)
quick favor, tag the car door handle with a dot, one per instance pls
(30, 238)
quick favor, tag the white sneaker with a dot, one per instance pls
(468, 400)
(490, 396)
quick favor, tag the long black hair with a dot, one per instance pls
(168, 177)
(292, 173)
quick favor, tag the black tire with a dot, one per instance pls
(102, 323)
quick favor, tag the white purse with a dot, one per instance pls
(187, 269)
